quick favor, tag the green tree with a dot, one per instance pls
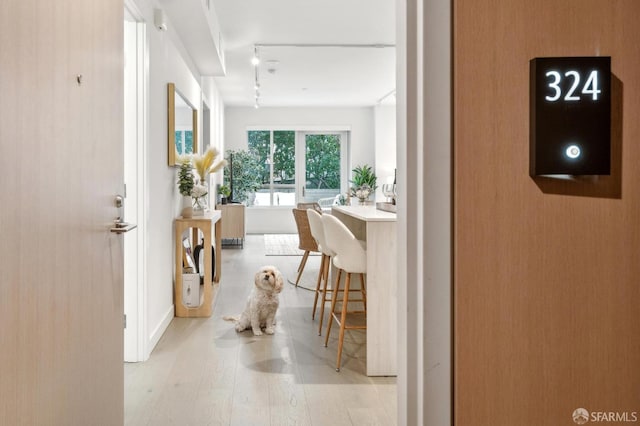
(245, 178)
(322, 158)
(259, 145)
(323, 162)
(284, 156)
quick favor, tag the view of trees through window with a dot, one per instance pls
(276, 151)
(284, 155)
(184, 141)
(323, 162)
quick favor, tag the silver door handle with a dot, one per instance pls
(120, 227)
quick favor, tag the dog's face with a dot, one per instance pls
(269, 278)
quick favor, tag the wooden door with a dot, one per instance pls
(61, 302)
(546, 270)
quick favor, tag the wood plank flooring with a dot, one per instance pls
(204, 373)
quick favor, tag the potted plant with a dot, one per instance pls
(242, 174)
(225, 192)
(185, 185)
(364, 183)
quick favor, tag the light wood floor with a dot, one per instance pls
(204, 373)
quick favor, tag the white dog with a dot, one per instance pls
(262, 304)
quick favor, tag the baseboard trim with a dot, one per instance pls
(157, 333)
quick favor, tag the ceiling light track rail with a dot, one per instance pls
(255, 60)
(360, 46)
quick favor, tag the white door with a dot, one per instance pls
(61, 298)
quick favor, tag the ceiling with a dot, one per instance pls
(327, 52)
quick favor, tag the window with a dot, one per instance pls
(298, 166)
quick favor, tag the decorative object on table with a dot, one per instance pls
(364, 183)
(225, 193)
(242, 173)
(185, 185)
(198, 193)
(206, 165)
(389, 191)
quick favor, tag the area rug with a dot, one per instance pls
(282, 245)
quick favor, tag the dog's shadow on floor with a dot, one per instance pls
(231, 337)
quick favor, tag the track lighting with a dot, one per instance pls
(256, 84)
(255, 60)
(271, 65)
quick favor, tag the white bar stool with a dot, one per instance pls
(350, 257)
(317, 230)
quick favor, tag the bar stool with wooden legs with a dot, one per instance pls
(317, 230)
(306, 241)
(351, 258)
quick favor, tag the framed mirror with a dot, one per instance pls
(183, 125)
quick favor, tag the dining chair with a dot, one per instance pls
(314, 205)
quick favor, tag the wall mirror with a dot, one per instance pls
(183, 125)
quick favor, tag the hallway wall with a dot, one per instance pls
(546, 271)
(168, 62)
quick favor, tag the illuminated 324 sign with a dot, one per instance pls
(570, 116)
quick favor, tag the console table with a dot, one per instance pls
(233, 221)
(204, 225)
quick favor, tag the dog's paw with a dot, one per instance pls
(257, 332)
(239, 328)
(269, 330)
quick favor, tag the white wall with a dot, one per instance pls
(385, 137)
(167, 62)
(359, 120)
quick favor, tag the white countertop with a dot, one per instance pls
(366, 213)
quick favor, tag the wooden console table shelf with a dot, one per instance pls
(202, 223)
(232, 221)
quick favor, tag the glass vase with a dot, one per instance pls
(198, 206)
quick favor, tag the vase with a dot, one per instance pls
(205, 199)
(198, 206)
(187, 207)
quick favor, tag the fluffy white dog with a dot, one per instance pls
(262, 304)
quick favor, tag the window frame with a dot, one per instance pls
(300, 169)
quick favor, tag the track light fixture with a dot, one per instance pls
(271, 65)
(256, 84)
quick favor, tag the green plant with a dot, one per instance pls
(364, 182)
(225, 191)
(245, 169)
(364, 175)
(185, 177)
